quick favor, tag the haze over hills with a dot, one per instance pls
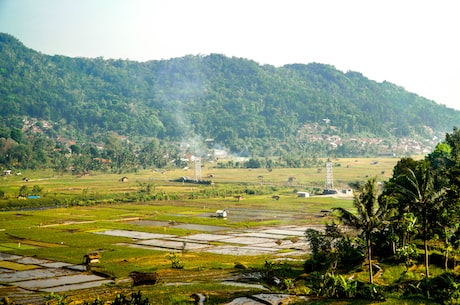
(258, 110)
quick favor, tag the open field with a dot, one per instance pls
(345, 171)
(215, 255)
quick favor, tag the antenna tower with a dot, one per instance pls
(197, 169)
(329, 184)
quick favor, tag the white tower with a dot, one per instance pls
(329, 184)
(197, 169)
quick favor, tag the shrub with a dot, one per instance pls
(121, 299)
(175, 262)
(332, 250)
(444, 289)
(239, 265)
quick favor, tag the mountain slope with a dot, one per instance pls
(229, 99)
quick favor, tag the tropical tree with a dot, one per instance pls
(371, 215)
(403, 220)
(425, 198)
(445, 162)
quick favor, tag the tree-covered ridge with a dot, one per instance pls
(231, 100)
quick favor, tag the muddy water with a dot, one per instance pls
(266, 298)
(27, 286)
(186, 226)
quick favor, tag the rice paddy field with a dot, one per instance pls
(154, 223)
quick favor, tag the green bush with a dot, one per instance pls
(332, 285)
(136, 299)
(175, 261)
(444, 289)
(121, 299)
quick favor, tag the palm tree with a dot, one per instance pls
(424, 198)
(370, 216)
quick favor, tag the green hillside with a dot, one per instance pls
(247, 107)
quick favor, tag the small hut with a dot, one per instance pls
(303, 194)
(91, 258)
(221, 213)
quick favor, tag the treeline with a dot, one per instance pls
(118, 155)
(237, 102)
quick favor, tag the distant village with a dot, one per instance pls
(322, 132)
(396, 147)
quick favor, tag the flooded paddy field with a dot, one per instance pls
(42, 253)
(26, 278)
(41, 250)
(234, 242)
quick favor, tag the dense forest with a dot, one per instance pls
(250, 109)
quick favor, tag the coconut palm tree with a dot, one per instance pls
(425, 200)
(371, 215)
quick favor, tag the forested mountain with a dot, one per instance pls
(237, 102)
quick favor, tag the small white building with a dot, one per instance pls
(221, 213)
(220, 153)
(303, 194)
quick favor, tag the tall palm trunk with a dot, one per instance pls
(371, 215)
(446, 255)
(369, 258)
(427, 272)
(425, 243)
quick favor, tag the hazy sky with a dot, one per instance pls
(411, 43)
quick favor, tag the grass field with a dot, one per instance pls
(345, 171)
(66, 233)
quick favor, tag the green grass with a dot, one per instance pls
(67, 233)
(17, 246)
(71, 228)
(345, 170)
